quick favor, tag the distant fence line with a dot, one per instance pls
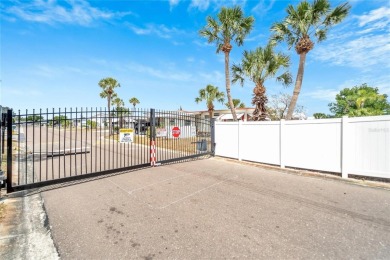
(350, 146)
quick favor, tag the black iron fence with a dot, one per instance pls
(50, 146)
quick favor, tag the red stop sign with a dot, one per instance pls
(176, 131)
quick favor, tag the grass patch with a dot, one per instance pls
(3, 209)
(176, 144)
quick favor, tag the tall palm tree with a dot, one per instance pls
(305, 21)
(230, 26)
(134, 101)
(108, 85)
(237, 103)
(260, 65)
(210, 94)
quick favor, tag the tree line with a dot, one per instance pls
(108, 86)
(303, 24)
(360, 100)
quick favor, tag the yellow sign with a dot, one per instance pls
(126, 135)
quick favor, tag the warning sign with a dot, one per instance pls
(161, 132)
(126, 135)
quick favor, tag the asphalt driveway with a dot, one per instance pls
(217, 209)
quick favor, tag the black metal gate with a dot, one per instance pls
(52, 146)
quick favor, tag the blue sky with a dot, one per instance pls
(53, 53)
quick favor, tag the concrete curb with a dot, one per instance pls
(25, 232)
(312, 174)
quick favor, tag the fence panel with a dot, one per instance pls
(180, 136)
(226, 139)
(260, 142)
(370, 146)
(55, 145)
(358, 146)
(314, 145)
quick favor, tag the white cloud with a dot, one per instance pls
(367, 47)
(323, 94)
(202, 43)
(169, 74)
(202, 5)
(329, 94)
(378, 18)
(50, 71)
(256, 37)
(214, 76)
(69, 12)
(46, 71)
(159, 30)
(262, 7)
(22, 92)
(364, 52)
(173, 3)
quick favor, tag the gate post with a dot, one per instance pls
(212, 132)
(9, 151)
(152, 133)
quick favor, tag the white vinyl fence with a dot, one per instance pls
(358, 146)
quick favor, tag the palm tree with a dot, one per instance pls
(260, 65)
(307, 20)
(134, 101)
(230, 26)
(108, 85)
(210, 94)
(119, 104)
(237, 103)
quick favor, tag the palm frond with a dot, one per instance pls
(285, 78)
(237, 74)
(337, 15)
(210, 94)
(281, 32)
(319, 8)
(320, 34)
(261, 64)
(307, 19)
(229, 25)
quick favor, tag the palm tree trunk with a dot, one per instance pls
(227, 78)
(210, 114)
(298, 86)
(109, 114)
(259, 100)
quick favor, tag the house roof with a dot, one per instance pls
(224, 111)
(228, 116)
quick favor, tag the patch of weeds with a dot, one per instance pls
(3, 209)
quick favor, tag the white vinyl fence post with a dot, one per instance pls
(239, 140)
(281, 139)
(344, 146)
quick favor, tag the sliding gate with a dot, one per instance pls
(52, 146)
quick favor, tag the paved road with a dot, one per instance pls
(218, 209)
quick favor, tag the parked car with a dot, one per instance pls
(141, 127)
